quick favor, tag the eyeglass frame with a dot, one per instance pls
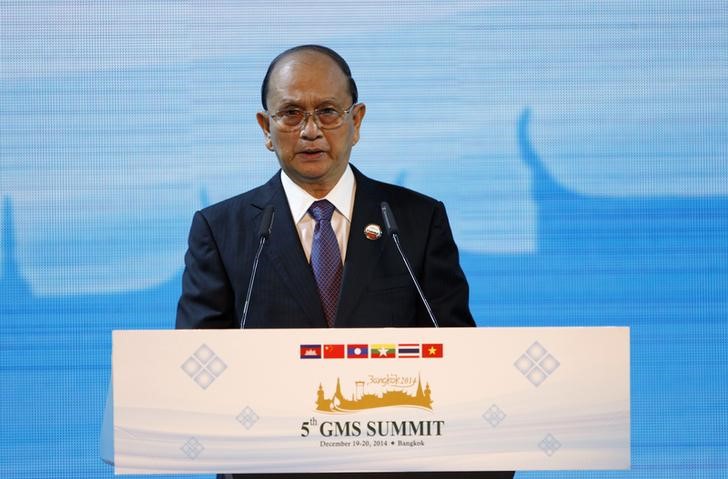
(310, 114)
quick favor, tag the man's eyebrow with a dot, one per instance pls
(292, 101)
(287, 100)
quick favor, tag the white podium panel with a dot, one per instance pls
(371, 400)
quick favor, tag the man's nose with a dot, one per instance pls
(310, 129)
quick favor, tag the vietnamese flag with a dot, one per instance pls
(333, 351)
(357, 351)
(432, 350)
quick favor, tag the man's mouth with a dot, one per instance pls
(311, 153)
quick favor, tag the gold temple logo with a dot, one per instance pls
(361, 400)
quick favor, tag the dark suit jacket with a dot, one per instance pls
(376, 289)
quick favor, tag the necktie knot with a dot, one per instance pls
(321, 210)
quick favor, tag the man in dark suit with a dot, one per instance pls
(320, 269)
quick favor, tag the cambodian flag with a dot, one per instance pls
(310, 351)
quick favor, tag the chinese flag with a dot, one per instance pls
(333, 351)
(432, 350)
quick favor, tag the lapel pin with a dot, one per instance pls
(373, 232)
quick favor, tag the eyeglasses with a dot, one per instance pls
(326, 118)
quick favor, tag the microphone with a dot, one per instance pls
(266, 223)
(390, 224)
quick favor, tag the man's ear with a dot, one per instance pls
(264, 122)
(358, 115)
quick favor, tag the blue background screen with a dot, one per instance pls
(581, 149)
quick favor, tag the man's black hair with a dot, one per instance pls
(315, 48)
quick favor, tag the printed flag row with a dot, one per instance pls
(371, 351)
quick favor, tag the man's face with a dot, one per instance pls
(312, 157)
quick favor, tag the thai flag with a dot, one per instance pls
(408, 351)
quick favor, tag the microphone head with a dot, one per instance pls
(266, 222)
(389, 222)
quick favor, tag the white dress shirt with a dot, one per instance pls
(341, 196)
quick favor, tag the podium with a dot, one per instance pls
(370, 400)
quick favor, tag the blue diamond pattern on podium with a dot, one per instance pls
(204, 366)
(192, 448)
(549, 445)
(247, 417)
(494, 415)
(536, 364)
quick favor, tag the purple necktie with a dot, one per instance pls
(326, 258)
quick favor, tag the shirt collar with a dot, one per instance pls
(341, 196)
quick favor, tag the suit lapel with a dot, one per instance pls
(285, 252)
(362, 255)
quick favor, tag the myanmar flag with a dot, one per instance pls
(333, 351)
(357, 351)
(383, 351)
(432, 350)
